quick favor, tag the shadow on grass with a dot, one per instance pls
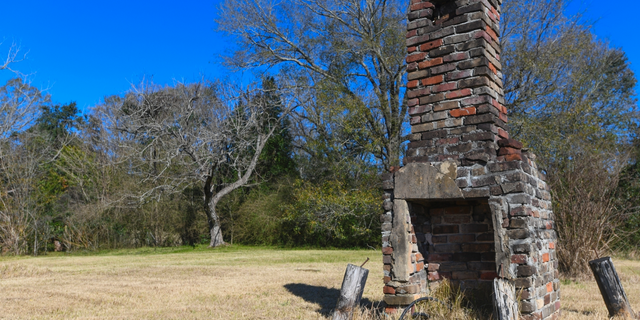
(323, 296)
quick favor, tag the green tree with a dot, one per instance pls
(276, 159)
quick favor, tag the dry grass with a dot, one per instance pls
(227, 283)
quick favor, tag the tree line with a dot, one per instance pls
(295, 158)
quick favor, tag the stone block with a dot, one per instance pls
(400, 240)
(426, 181)
(400, 299)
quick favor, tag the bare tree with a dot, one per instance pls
(13, 55)
(176, 136)
(20, 157)
(357, 46)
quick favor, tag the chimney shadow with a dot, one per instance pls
(325, 297)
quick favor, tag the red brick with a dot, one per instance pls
(491, 33)
(410, 34)
(549, 286)
(433, 276)
(431, 45)
(445, 87)
(482, 34)
(387, 250)
(552, 245)
(386, 279)
(412, 49)
(491, 66)
(463, 112)
(433, 80)
(513, 157)
(511, 143)
(459, 94)
(519, 258)
(545, 257)
(391, 310)
(503, 134)
(412, 84)
(503, 117)
(388, 290)
(419, 256)
(421, 5)
(430, 63)
(419, 266)
(508, 150)
(416, 57)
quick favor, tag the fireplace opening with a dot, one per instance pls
(456, 239)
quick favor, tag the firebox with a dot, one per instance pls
(470, 204)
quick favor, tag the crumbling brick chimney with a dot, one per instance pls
(470, 204)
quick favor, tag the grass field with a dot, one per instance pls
(225, 283)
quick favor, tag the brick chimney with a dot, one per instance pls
(469, 204)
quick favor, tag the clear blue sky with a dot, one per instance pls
(85, 50)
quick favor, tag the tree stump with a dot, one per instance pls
(611, 289)
(505, 304)
(353, 284)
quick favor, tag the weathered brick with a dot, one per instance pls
(474, 82)
(459, 94)
(478, 24)
(417, 75)
(511, 143)
(443, 68)
(416, 57)
(441, 51)
(463, 112)
(445, 87)
(432, 98)
(526, 271)
(431, 45)
(445, 229)
(445, 106)
(433, 80)
(458, 75)
(430, 63)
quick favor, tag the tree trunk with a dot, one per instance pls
(214, 227)
(212, 216)
(394, 152)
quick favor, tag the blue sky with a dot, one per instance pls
(84, 50)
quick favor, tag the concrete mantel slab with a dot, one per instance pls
(427, 181)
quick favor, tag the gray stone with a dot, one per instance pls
(401, 241)
(400, 299)
(426, 181)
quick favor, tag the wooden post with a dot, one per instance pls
(505, 304)
(351, 292)
(611, 289)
